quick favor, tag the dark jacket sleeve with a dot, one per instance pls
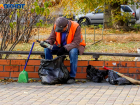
(52, 37)
(76, 40)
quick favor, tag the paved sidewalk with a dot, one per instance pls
(88, 93)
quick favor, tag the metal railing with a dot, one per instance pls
(95, 55)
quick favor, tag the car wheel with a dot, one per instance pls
(83, 22)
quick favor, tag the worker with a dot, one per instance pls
(66, 37)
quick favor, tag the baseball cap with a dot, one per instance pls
(61, 23)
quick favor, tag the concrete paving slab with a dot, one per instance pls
(88, 93)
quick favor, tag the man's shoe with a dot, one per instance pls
(71, 80)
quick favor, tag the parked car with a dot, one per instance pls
(96, 17)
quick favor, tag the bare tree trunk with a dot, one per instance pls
(107, 16)
(115, 10)
(118, 23)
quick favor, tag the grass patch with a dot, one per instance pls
(109, 45)
(114, 41)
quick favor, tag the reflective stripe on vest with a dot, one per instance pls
(70, 36)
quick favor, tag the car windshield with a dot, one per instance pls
(126, 9)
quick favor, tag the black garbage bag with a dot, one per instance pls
(53, 71)
(115, 79)
(123, 81)
(112, 77)
(96, 75)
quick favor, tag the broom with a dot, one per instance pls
(23, 76)
(126, 77)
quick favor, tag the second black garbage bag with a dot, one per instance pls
(96, 75)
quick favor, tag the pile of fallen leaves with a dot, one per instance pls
(80, 81)
(7, 81)
(33, 80)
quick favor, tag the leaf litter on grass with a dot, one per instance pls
(113, 42)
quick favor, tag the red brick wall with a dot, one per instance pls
(12, 68)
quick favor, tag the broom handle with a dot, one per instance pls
(29, 55)
(110, 69)
(106, 68)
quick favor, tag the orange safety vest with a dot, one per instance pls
(70, 36)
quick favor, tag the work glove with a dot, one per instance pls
(62, 51)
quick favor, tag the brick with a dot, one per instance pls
(36, 68)
(79, 69)
(81, 75)
(28, 68)
(128, 64)
(134, 70)
(84, 69)
(121, 69)
(112, 63)
(110, 68)
(11, 68)
(15, 74)
(4, 62)
(33, 75)
(137, 64)
(79, 63)
(96, 63)
(82, 63)
(4, 74)
(67, 63)
(118, 69)
(1, 68)
(17, 62)
(101, 68)
(33, 62)
(68, 69)
(138, 76)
